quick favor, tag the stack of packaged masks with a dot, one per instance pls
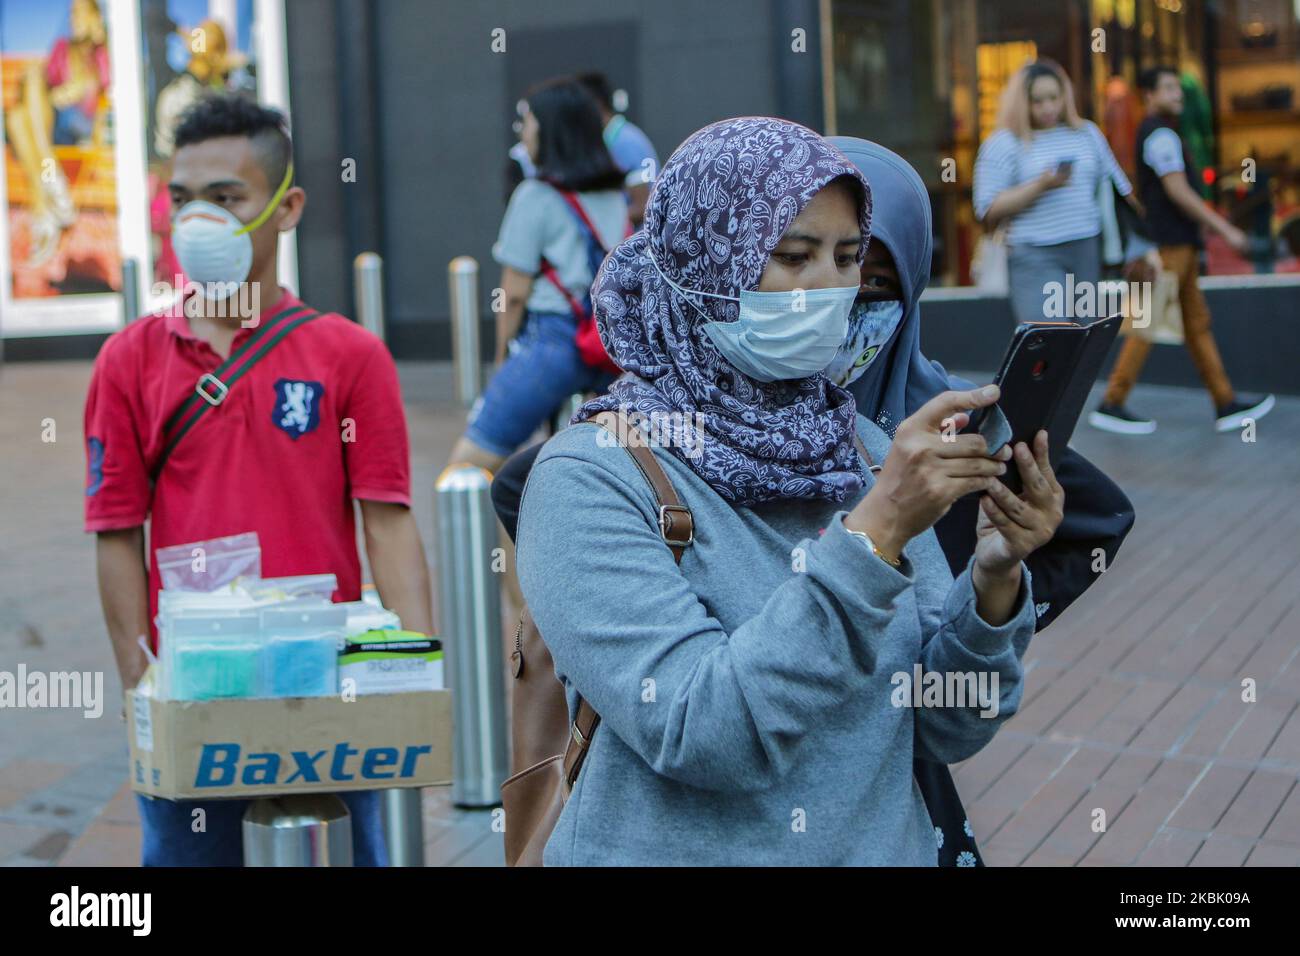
(224, 631)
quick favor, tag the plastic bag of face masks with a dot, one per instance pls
(295, 588)
(208, 565)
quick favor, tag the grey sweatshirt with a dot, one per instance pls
(750, 708)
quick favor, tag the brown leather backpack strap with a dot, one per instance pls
(862, 450)
(676, 523)
(677, 526)
(580, 733)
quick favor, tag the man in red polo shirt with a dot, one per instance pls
(296, 433)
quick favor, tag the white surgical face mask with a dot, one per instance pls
(214, 248)
(871, 324)
(779, 335)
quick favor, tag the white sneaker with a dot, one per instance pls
(1233, 415)
(1119, 420)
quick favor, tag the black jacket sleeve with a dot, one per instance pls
(1097, 515)
(508, 485)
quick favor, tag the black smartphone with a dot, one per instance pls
(1045, 376)
(1065, 165)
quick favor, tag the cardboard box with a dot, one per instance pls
(257, 748)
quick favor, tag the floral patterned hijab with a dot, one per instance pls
(718, 210)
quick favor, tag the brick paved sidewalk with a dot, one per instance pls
(1133, 703)
(1133, 699)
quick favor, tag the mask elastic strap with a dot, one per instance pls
(685, 292)
(271, 206)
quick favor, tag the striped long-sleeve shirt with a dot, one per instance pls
(1063, 214)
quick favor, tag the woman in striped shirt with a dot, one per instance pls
(1040, 172)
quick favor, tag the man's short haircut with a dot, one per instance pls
(232, 115)
(597, 85)
(1149, 78)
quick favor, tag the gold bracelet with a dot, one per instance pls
(892, 562)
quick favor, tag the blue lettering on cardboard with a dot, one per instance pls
(372, 762)
(341, 753)
(306, 766)
(267, 768)
(220, 765)
(412, 754)
(217, 765)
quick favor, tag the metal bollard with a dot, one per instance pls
(463, 280)
(302, 829)
(368, 275)
(403, 816)
(130, 291)
(400, 808)
(470, 599)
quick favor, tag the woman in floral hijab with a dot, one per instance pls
(757, 700)
(723, 203)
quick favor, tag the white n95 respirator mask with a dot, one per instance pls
(214, 247)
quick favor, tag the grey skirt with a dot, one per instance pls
(1030, 268)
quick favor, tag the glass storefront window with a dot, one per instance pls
(924, 78)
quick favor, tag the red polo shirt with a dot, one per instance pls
(316, 422)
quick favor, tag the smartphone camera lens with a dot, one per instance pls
(1035, 342)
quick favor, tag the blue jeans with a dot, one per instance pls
(71, 126)
(541, 370)
(169, 839)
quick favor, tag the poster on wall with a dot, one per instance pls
(60, 243)
(189, 49)
(91, 93)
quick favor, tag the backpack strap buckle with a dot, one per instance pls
(581, 728)
(219, 389)
(668, 526)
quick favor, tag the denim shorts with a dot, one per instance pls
(542, 368)
(168, 837)
(71, 126)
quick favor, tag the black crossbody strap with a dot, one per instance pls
(200, 397)
(213, 387)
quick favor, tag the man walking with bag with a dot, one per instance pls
(1175, 214)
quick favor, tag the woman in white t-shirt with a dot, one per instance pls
(1040, 173)
(547, 259)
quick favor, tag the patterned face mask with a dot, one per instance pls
(871, 323)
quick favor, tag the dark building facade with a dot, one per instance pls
(415, 93)
(403, 109)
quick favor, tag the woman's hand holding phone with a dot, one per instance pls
(928, 468)
(1011, 526)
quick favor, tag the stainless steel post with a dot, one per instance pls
(368, 273)
(470, 599)
(401, 807)
(302, 829)
(404, 826)
(130, 291)
(463, 276)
